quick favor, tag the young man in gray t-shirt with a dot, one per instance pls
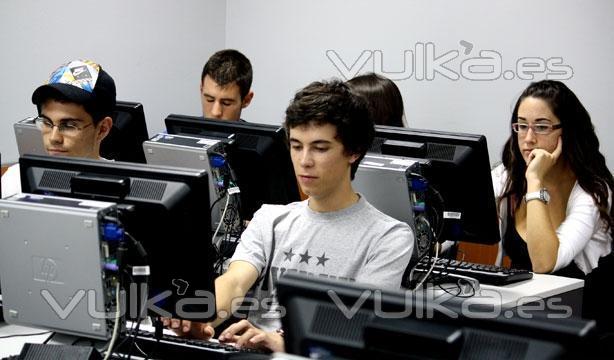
(335, 233)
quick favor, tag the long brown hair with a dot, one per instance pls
(580, 148)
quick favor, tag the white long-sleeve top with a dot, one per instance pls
(582, 235)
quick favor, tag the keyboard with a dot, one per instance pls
(173, 347)
(485, 274)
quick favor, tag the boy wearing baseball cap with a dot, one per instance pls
(75, 110)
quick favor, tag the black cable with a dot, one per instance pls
(444, 275)
(49, 338)
(438, 220)
(426, 255)
(157, 322)
(133, 332)
(222, 195)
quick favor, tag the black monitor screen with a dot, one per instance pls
(328, 319)
(165, 209)
(257, 153)
(124, 142)
(459, 171)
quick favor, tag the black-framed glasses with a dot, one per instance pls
(539, 129)
(67, 127)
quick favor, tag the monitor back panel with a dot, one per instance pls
(192, 153)
(385, 182)
(28, 138)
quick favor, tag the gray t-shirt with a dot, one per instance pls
(358, 244)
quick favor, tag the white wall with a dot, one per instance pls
(288, 40)
(154, 49)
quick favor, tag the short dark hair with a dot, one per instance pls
(332, 102)
(228, 66)
(92, 109)
(382, 95)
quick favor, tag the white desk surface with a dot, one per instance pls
(509, 296)
(13, 345)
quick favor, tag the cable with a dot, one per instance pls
(431, 209)
(131, 334)
(140, 350)
(135, 329)
(430, 270)
(116, 326)
(49, 338)
(439, 222)
(217, 200)
(221, 219)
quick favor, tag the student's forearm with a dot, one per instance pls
(227, 294)
(542, 241)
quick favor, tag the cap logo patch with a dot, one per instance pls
(78, 73)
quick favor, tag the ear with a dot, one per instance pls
(353, 158)
(104, 128)
(202, 83)
(247, 99)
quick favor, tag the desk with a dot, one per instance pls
(12, 346)
(544, 293)
(540, 286)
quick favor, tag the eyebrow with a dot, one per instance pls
(536, 120)
(62, 119)
(315, 142)
(221, 99)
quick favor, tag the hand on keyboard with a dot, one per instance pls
(246, 335)
(194, 329)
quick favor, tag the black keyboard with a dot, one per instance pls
(173, 347)
(485, 274)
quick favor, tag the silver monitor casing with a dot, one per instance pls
(51, 265)
(28, 138)
(192, 153)
(385, 181)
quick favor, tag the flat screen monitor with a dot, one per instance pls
(329, 319)
(257, 153)
(458, 170)
(165, 209)
(125, 141)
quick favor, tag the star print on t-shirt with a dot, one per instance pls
(289, 255)
(305, 257)
(322, 260)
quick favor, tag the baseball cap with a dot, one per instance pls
(82, 82)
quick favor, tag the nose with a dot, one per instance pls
(529, 136)
(216, 110)
(56, 136)
(306, 160)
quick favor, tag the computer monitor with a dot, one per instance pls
(165, 209)
(257, 153)
(323, 318)
(458, 170)
(124, 142)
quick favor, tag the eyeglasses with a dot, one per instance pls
(539, 129)
(68, 127)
